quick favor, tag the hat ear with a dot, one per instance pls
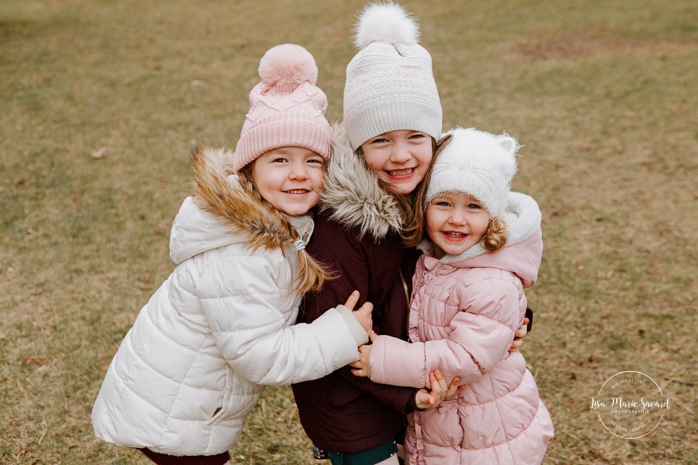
(507, 162)
(508, 144)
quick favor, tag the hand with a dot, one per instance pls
(519, 335)
(363, 314)
(439, 391)
(361, 367)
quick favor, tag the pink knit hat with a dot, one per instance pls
(286, 108)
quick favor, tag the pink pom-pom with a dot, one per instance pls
(285, 67)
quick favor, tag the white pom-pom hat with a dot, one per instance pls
(287, 109)
(389, 83)
(476, 163)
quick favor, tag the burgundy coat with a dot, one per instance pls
(357, 237)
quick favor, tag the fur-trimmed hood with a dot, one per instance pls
(221, 213)
(352, 195)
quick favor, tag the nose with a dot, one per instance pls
(298, 171)
(457, 217)
(400, 153)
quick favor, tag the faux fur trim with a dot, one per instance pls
(218, 192)
(352, 194)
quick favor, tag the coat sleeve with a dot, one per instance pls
(254, 336)
(479, 336)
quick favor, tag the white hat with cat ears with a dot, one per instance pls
(476, 163)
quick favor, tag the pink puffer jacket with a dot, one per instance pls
(463, 316)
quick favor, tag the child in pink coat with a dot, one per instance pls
(484, 248)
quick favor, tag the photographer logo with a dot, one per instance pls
(630, 405)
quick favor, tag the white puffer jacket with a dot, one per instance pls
(219, 328)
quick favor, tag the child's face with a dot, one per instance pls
(290, 178)
(400, 158)
(455, 222)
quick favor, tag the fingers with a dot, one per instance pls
(453, 388)
(360, 367)
(433, 383)
(424, 400)
(523, 329)
(439, 376)
(516, 345)
(352, 300)
(439, 389)
(518, 336)
(366, 308)
(372, 336)
(359, 373)
(364, 316)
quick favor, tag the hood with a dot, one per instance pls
(524, 250)
(221, 213)
(352, 195)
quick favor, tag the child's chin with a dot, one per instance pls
(296, 211)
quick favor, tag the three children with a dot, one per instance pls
(219, 329)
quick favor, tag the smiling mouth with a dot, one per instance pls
(400, 172)
(454, 235)
(297, 191)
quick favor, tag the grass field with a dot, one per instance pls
(102, 101)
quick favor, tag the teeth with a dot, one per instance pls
(297, 191)
(401, 172)
(452, 234)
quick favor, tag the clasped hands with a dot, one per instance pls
(425, 398)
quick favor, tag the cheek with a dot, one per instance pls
(261, 177)
(318, 179)
(373, 160)
(432, 221)
(483, 224)
(425, 157)
(264, 190)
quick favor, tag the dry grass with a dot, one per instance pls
(601, 93)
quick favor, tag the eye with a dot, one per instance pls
(278, 160)
(418, 135)
(378, 140)
(474, 206)
(441, 203)
(317, 161)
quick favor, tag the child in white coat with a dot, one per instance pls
(220, 327)
(483, 248)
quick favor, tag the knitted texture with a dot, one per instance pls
(286, 108)
(476, 163)
(389, 83)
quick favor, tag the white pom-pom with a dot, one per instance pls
(385, 22)
(287, 66)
